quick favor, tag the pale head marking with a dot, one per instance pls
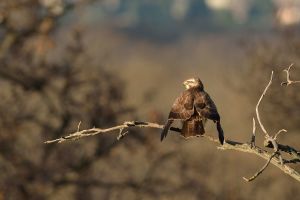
(192, 82)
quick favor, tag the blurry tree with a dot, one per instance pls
(42, 98)
(262, 12)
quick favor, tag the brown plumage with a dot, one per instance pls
(192, 127)
(193, 107)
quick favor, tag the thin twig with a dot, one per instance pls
(121, 134)
(278, 133)
(268, 138)
(261, 170)
(257, 105)
(288, 77)
(252, 142)
(78, 127)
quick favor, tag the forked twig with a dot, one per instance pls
(278, 133)
(288, 77)
(268, 138)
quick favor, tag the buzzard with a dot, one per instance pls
(194, 106)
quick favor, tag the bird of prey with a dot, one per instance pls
(193, 107)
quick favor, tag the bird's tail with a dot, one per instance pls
(164, 132)
(192, 128)
(221, 133)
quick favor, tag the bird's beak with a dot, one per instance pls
(185, 83)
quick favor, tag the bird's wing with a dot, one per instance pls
(206, 107)
(182, 109)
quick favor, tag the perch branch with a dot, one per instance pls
(96, 131)
(228, 145)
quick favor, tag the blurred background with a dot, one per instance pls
(105, 61)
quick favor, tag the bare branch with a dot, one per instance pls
(121, 134)
(228, 145)
(78, 127)
(278, 133)
(285, 148)
(288, 77)
(261, 170)
(95, 131)
(292, 161)
(258, 103)
(243, 147)
(268, 138)
(252, 142)
(290, 150)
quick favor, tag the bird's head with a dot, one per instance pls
(193, 83)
